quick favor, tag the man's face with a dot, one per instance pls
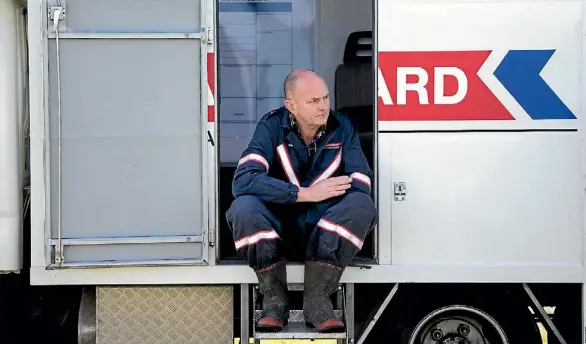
(310, 101)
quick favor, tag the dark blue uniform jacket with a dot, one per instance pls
(277, 162)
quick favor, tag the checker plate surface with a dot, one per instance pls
(164, 314)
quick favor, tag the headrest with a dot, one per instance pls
(358, 47)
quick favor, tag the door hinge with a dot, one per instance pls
(212, 237)
(400, 191)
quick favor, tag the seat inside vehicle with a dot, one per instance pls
(354, 87)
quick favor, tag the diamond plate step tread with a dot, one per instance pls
(298, 330)
(164, 314)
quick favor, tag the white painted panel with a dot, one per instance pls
(10, 141)
(497, 28)
(485, 198)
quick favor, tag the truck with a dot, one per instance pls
(122, 122)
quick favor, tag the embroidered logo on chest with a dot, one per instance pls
(335, 145)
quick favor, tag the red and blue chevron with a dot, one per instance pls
(519, 73)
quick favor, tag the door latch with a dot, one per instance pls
(209, 35)
(400, 191)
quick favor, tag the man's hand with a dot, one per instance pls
(325, 189)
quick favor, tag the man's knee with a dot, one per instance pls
(362, 205)
(245, 211)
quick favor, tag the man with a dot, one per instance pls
(302, 191)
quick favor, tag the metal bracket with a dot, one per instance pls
(549, 325)
(374, 317)
(349, 312)
(56, 15)
(57, 9)
(59, 257)
(245, 313)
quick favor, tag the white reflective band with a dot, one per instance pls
(254, 238)
(331, 169)
(254, 157)
(287, 166)
(341, 231)
(210, 96)
(361, 177)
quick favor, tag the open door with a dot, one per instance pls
(259, 43)
(126, 121)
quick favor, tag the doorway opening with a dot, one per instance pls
(259, 43)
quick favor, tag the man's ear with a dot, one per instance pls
(290, 105)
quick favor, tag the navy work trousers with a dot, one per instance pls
(332, 231)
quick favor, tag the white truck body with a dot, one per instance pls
(478, 140)
(512, 186)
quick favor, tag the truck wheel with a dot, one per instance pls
(461, 324)
(456, 314)
(458, 324)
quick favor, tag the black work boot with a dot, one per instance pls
(273, 286)
(321, 281)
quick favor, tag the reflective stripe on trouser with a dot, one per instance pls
(341, 231)
(255, 230)
(338, 235)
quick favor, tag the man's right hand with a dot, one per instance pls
(325, 189)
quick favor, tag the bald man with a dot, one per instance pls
(302, 191)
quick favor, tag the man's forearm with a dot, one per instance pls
(266, 188)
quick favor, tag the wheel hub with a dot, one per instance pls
(453, 330)
(455, 340)
(458, 325)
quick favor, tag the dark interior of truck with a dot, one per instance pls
(354, 97)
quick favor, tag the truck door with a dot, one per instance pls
(127, 112)
(480, 132)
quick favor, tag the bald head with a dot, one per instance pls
(307, 98)
(293, 78)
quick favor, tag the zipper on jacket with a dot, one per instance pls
(326, 141)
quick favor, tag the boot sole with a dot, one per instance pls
(261, 328)
(327, 329)
(266, 328)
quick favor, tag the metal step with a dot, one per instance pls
(296, 327)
